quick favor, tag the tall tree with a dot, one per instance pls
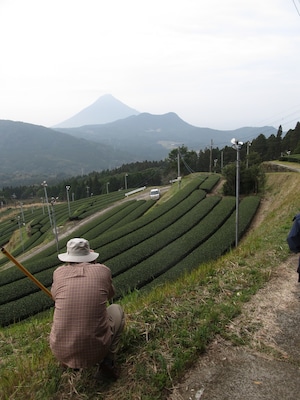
(260, 146)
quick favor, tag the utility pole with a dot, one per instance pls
(178, 167)
(44, 184)
(210, 158)
(53, 201)
(178, 164)
(222, 160)
(247, 159)
(237, 146)
(68, 187)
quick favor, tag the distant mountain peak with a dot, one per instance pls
(104, 110)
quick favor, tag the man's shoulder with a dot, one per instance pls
(100, 267)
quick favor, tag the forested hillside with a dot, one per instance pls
(180, 161)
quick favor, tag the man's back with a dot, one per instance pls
(81, 333)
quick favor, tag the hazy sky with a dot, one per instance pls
(216, 63)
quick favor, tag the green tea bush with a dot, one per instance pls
(25, 286)
(144, 272)
(25, 307)
(7, 228)
(135, 214)
(128, 211)
(96, 203)
(139, 235)
(218, 244)
(210, 183)
(47, 259)
(163, 238)
(170, 239)
(38, 220)
(156, 212)
(13, 274)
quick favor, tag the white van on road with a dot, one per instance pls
(154, 194)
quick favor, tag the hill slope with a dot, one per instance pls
(151, 137)
(31, 153)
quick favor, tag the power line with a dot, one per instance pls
(267, 130)
(296, 7)
(190, 170)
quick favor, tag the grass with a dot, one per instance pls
(167, 329)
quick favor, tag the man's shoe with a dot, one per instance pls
(109, 370)
(64, 367)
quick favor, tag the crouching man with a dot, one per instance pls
(85, 330)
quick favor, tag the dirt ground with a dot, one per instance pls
(268, 367)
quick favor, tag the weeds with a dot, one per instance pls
(168, 328)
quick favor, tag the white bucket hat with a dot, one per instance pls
(78, 250)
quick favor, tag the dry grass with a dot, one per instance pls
(169, 328)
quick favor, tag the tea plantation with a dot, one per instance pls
(144, 243)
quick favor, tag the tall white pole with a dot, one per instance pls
(247, 159)
(46, 198)
(237, 146)
(178, 164)
(54, 223)
(237, 194)
(210, 156)
(68, 199)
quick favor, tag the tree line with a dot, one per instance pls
(180, 161)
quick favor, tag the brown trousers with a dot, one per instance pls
(117, 319)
